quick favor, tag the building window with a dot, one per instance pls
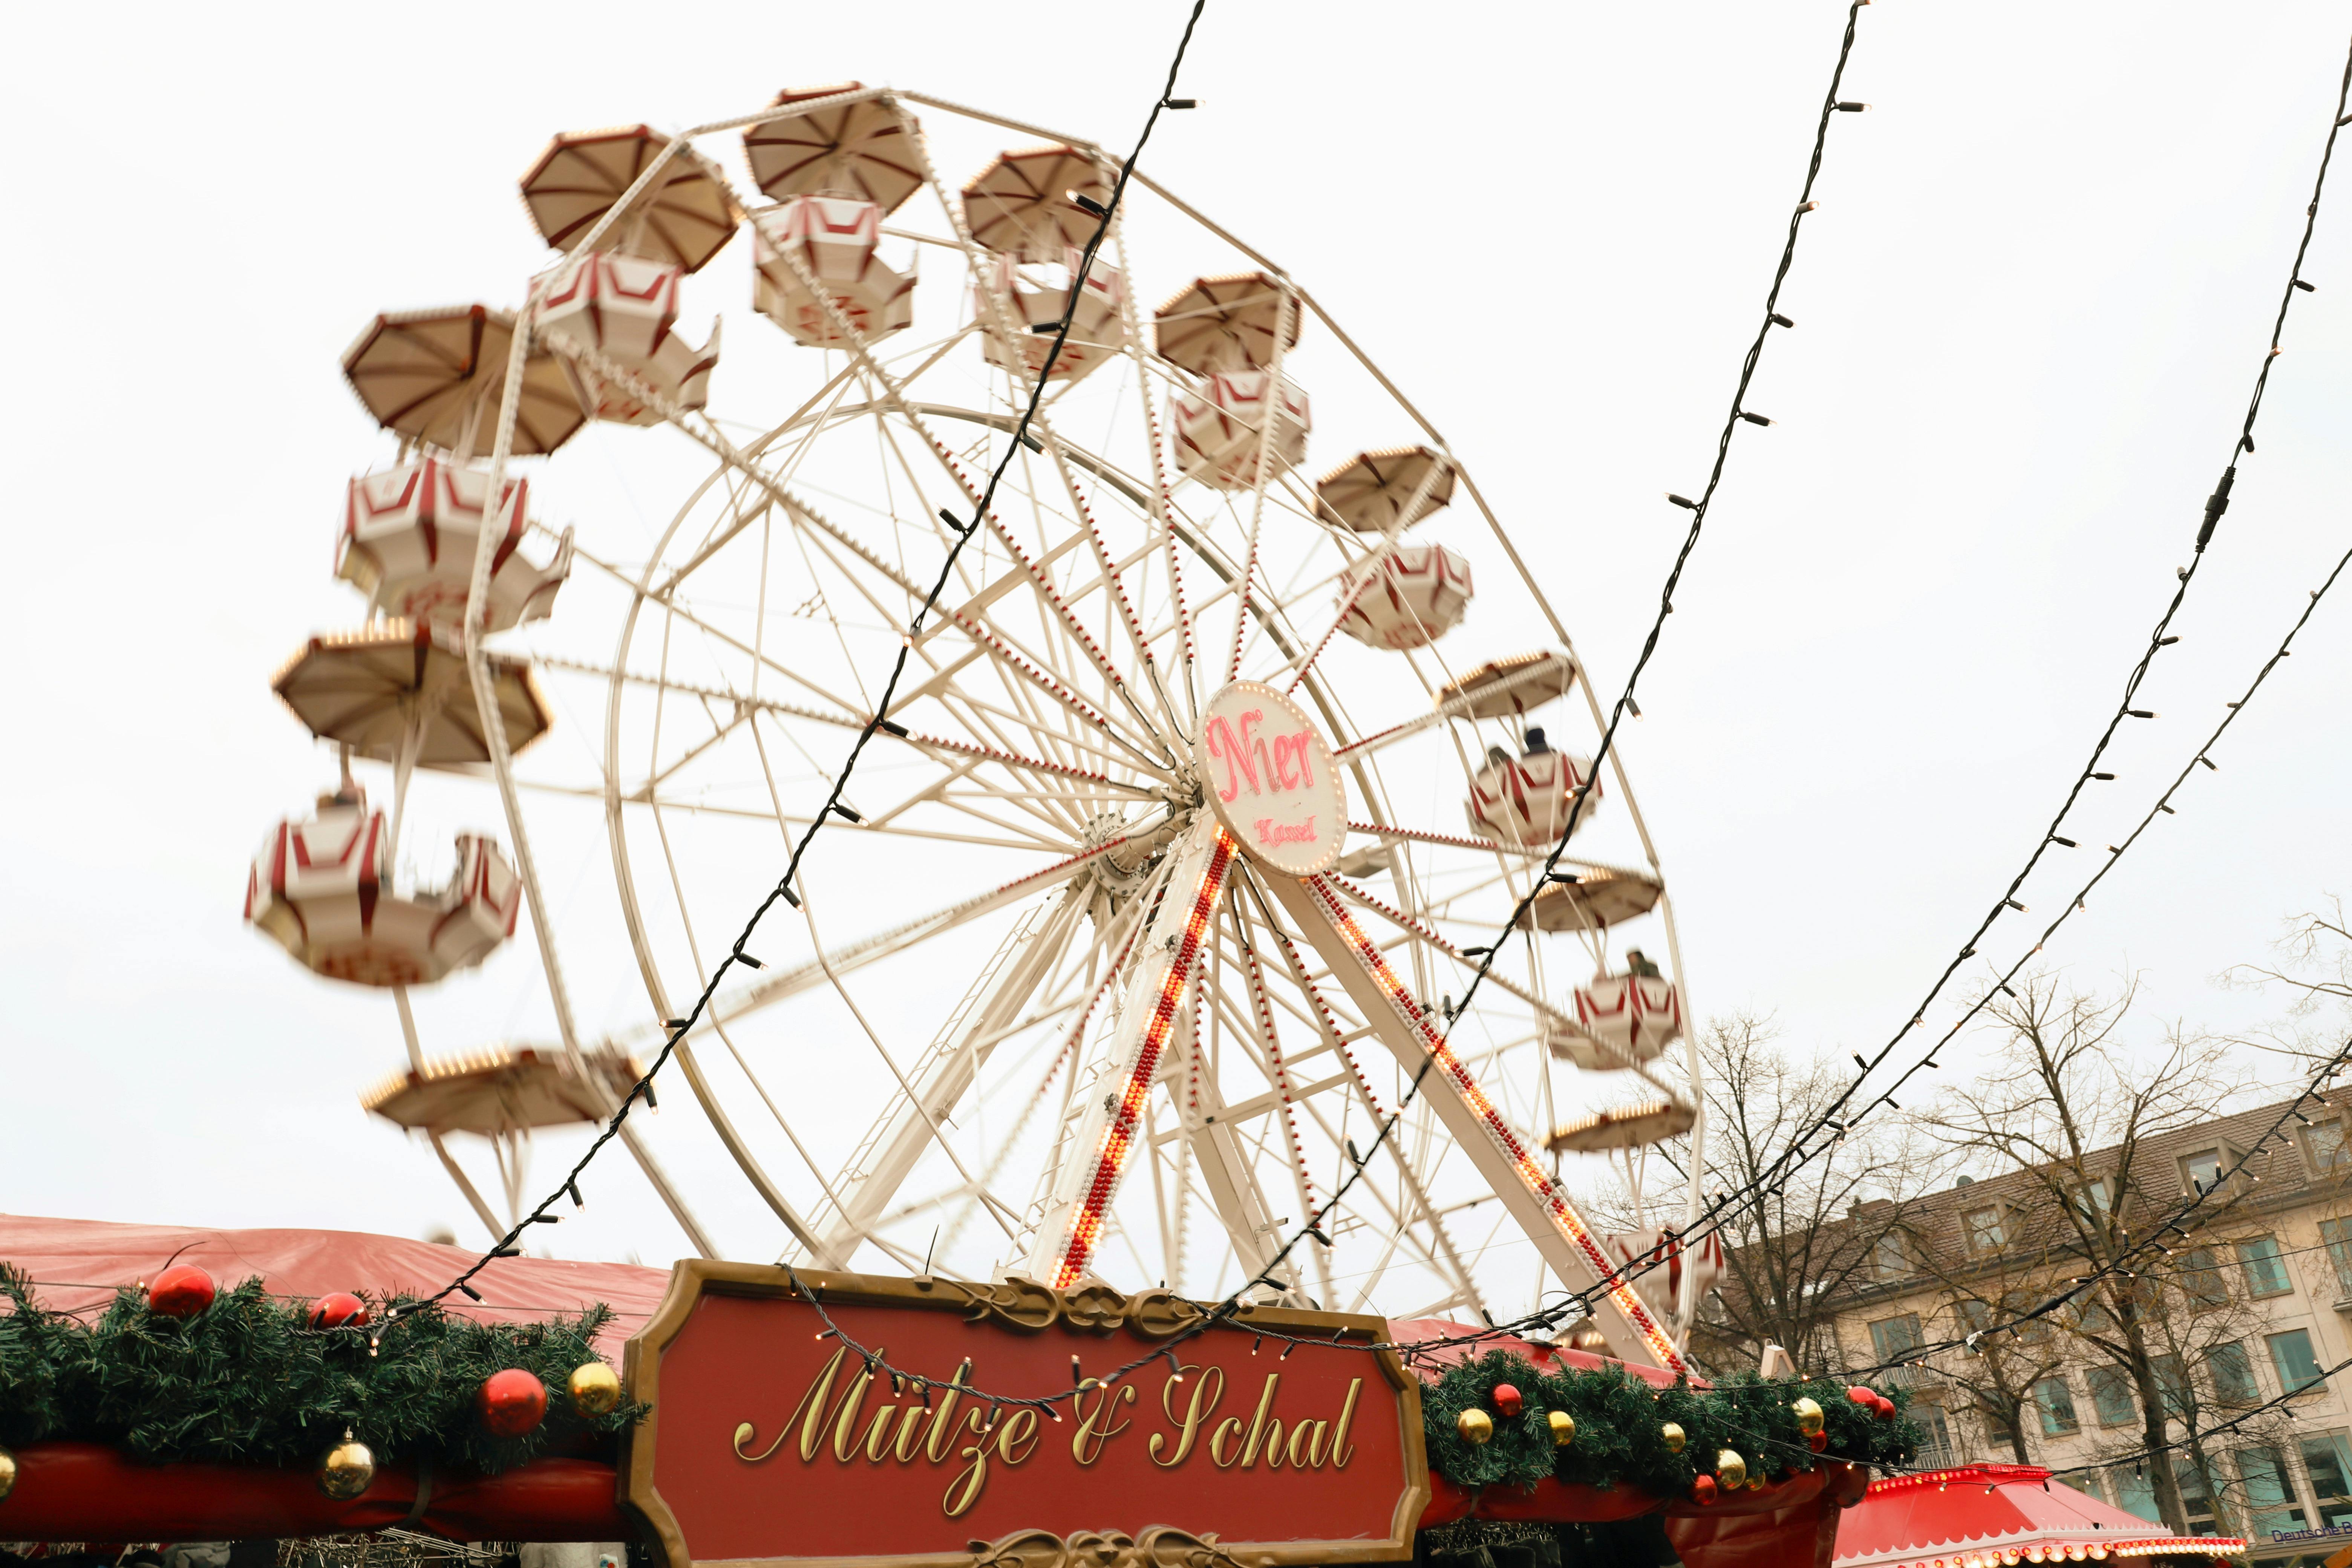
(2325, 1149)
(2196, 1495)
(2135, 1493)
(2265, 1271)
(2328, 1460)
(2203, 1172)
(1996, 1421)
(1986, 1230)
(1894, 1339)
(1935, 1438)
(2172, 1382)
(2233, 1374)
(2056, 1402)
(1890, 1256)
(2201, 1277)
(1975, 1316)
(2337, 1235)
(2111, 1397)
(2095, 1199)
(2269, 1496)
(2291, 1354)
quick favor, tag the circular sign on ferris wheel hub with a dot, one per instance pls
(1271, 781)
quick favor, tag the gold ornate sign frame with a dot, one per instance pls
(1023, 1307)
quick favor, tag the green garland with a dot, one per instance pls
(1619, 1422)
(249, 1381)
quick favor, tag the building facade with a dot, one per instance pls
(2249, 1303)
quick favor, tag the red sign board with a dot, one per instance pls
(772, 1438)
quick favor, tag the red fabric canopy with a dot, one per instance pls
(1547, 1358)
(79, 1262)
(1989, 1516)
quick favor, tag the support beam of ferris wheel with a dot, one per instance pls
(870, 1179)
(1099, 1136)
(1560, 1235)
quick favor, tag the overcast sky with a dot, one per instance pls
(2028, 315)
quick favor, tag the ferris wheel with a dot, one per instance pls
(1212, 776)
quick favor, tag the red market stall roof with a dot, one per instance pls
(1409, 1331)
(1992, 1516)
(79, 1262)
(75, 1490)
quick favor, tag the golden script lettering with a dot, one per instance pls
(936, 1424)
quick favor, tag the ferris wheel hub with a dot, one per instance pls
(1272, 783)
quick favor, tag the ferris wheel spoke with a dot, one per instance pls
(835, 388)
(785, 983)
(1051, 833)
(708, 629)
(1089, 783)
(893, 392)
(982, 635)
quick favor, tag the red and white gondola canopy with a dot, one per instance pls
(437, 377)
(401, 685)
(1371, 491)
(684, 217)
(1020, 204)
(859, 149)
(1224, 323)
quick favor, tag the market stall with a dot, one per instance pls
(148, 1401)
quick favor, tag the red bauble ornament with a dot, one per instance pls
(1703, 1489)
(511, 1403)
(1817, 1441)
(181, 1291)
(1885, 1408)
(1865, 1397)
(341, 1310)
(1507, 1399)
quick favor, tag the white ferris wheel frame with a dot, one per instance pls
(1318, 908)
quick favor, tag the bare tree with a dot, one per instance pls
(1790, 1259)
(2068, 1110)
(1984, 1267)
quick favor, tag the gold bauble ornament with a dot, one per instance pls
(1730, 1467)
(1564, 1428)
(348, 1469)
(595, 1389)
(1809, 1416)
(1672, 1433)
(7, 1472)
(1476, 1426)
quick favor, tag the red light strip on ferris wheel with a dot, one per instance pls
(1118, 1132)
(1546, 1192)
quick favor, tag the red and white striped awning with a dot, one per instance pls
(1997, 1516)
